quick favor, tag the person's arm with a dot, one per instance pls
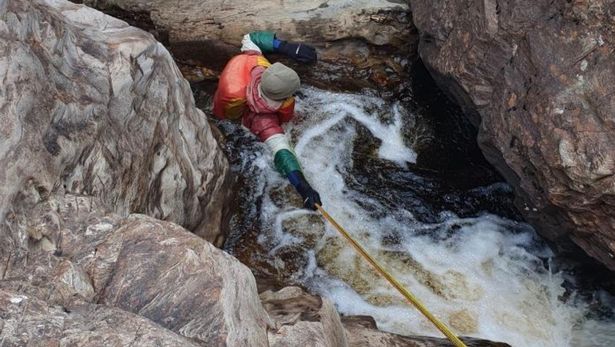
(287, 164)
(266, 126)
(259, 41)
(267, 42)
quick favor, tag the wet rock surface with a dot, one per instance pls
(536, 76)
(360, 43)
(450, 173)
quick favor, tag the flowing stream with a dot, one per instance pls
(464, 252)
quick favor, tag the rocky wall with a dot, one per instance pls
(536, 77)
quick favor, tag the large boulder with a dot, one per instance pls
(176, 279)
(537, 76)
(92, 106)
(157, 270)
(360, 43)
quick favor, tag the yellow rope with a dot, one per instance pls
(413, 300)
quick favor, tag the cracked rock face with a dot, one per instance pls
(361, 43)
(538, 76)
(92, 106)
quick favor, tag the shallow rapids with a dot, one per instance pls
(484, 275)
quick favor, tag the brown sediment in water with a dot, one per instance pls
(335, 258)
(464, 322)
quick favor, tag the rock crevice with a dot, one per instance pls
(536, 76)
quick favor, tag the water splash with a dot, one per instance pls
(346, 106)
(485, 276)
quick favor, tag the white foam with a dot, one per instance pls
(392, 147)
(487, 270)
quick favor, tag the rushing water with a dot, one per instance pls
(487, 275)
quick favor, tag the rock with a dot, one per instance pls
(309, 227)
(98, 123)
(158, 270)
(57, 274)
(537, 77)
(360, 43)
(344, 263)
(155, 269)
(92, 106)
(361, 331)
(302, 319)
(26, 320)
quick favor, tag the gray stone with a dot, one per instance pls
(92, 106)
(160, 271)
(302, 319)
(155, 269)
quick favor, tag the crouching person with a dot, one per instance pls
(260, 95)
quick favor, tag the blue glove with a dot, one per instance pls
(299, 51)
(309, 195)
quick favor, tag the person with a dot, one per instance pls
(259, 93)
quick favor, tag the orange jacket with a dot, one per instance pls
(237, 97)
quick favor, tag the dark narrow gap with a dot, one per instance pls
(451, 173)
